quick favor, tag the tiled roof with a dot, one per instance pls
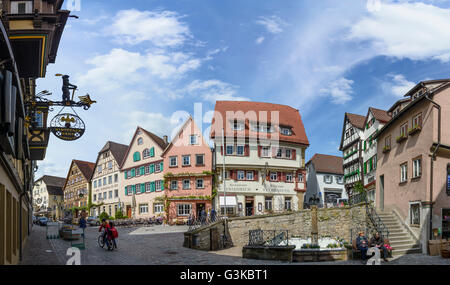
(327, 163)
(55, 190)
(53, 180)
(288, 117)
(86, 168)
(118, 150)
(157, 139)
(380, 115)
(356, 120)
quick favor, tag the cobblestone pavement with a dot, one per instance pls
(163, 245)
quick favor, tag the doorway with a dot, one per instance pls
(129, 211)
(200, 207)
(382, 193)
(249, 206)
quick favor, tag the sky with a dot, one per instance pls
(151, 63)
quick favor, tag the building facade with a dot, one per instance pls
(142, 170)
(374, 121)
(48, 198)
(188, 174)
(106, 195)
(263, 150)
(413, 167)
(77, 187)
(325, 181)
(29, 42)
(352, 151)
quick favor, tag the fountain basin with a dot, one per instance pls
(324, 253)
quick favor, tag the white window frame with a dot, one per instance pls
(158, 208)
(300, 177)
(184, 184)
(189, 158)
(171, 159)
(202, 186)
(417, 167)
(158, 184)
(250, 175)
(289, 177)
(240, 175)
(242, 147)
(290, 153)
(143, 208)
(185, 209)
(140, 141)
(403, 172)
(173, 184)
(328, 181)
(272, 175)
(229, 147)
(265, 151)
(195, 139)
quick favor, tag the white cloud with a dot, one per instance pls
(405, 30)
(259, 40)
(397, 85)
(213, 90)
(340, 90)
(273, 24)
(161, 28)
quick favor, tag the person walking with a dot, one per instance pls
(213, 215)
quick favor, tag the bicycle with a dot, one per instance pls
(101, 241)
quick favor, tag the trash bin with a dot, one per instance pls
(434, 247)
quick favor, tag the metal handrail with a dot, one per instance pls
(268, 238)
(203, 222)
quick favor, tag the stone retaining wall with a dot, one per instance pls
(333, 222)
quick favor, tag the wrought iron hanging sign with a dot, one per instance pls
(68, 127)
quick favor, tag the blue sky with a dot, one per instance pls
(146, 62)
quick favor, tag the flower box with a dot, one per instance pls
(414, 130)
(401, 138)
(386, 148)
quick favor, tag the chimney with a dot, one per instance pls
(165, 139)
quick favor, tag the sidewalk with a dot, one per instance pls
(38, 250)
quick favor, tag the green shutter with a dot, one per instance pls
(162, 181)
(370, 165)
(152, 168)
(125, 174)
(152, 152)
(126, 191)
(133, 188)
(365, 167)
(133, 172)
(142, 187)
(161, 166)
(136, 156)
(142, 170)
(152, 186)
(364, 145)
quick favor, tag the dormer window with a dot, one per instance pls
(286, 131)
(21, 7)
(417, 94)
(140, 141)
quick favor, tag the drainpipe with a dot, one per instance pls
(433, 157)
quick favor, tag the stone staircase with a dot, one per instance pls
(400, 239)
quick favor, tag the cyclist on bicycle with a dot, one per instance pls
(107, 228)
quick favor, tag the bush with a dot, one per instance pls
(102, 216)
(119, 215)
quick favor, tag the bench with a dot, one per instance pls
(356, 251)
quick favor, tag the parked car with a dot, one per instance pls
(93, 221)
(42, 221)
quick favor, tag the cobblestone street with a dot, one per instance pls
(162, 245)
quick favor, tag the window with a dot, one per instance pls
(148, 187)
(146, 153)
(193, 139)
(184, 209)
(268, 203)
(339, 180)
(240, 150)
(186, 184)
(265, 152)
(110, 179)
(116, 193)
(288, 153)
(158, 208)
(110, 194)
(240, 175)
(287, 204)
(403, 129)
(288, 177)
(140, 141)
(186, 160)
(99, 168)
(147, 169)
(237, 126)
(403, 172)
(173, 161)
(143, 208)
(104, 195)
(116, 178)
(157, 167)
(417, 121)
(273, 176)
(328, 179)
(414, 210)
(249, 175)
(21, 7)
(286, 131)
(104, 181)
(136, 156)
(417, 168)
(109, 164)
(300, 177)
(95, 183)
(99, 183)
(173, 184)
(158, 185)
(230, 150)
(200, 159)
(199, 184)
(279, 152)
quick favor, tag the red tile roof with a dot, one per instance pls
(288, 117)
(381, 115)
(356, 120)
(327, 163)
(86, 168)
(118, 150)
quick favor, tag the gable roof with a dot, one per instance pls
(55, 190)
(381, 115)
(118, 150)
(86, 168)
(288, 117)
(159, 141)
(356, 120)
(327, 163)
(52, 180)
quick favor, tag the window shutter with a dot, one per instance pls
(162, 184)
(247, 150)
(255, 175)
(152, 152)
(161, 166)
(370, 165)
(365, 167)
(153, 186)
(259, 151)
(143, 188)
(125, 174)
(133, 172)
(294, 154)
(152, 168)
(126, 191)
(364, 145)
(142, 170)
(278, 176)
(221, 150)
(133, 189)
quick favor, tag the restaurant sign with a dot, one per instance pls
(68, 127)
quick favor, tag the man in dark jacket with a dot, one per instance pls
(378, 241)
(362, 244)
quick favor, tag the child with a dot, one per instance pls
(114, 234)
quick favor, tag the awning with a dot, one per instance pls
(231, 201)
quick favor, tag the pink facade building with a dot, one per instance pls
(413, 167)
(188, 174)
